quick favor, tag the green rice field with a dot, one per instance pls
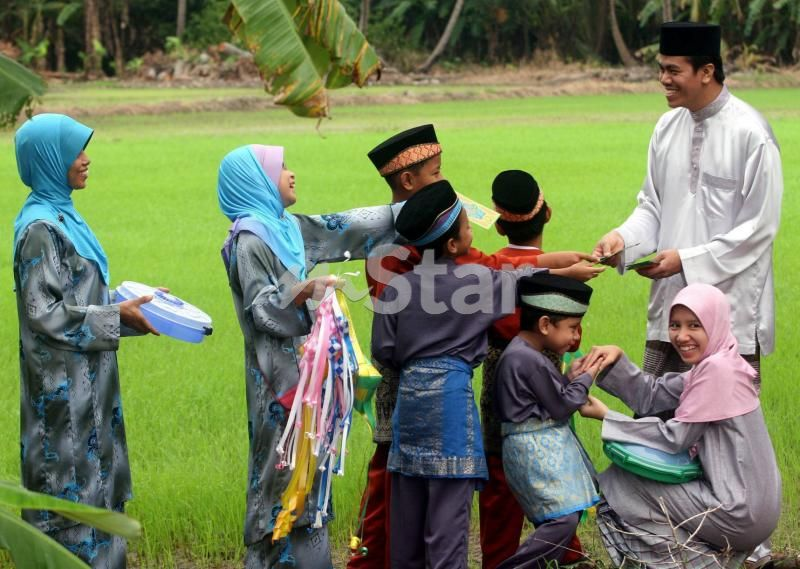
(151, 200)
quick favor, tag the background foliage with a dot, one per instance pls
(101, 36)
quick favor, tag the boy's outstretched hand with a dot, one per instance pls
(598, 359)
(582, 271)
(594, 409)
(562, 259)
(579, 368)
(605, 355)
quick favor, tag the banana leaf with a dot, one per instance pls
(13, 496)
(302, 48)
(32, 549)
(18, 88)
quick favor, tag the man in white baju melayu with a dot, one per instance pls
(710, 203)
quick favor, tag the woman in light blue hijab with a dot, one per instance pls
(267, 257)
(72, 433)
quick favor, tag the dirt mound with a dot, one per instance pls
(471, 84)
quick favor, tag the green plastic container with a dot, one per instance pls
(653, 464)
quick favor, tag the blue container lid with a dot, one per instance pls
(652, 463)
(167, 313)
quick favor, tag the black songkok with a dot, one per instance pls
(429, 213)
(554, 294)
(516, 196)
(405, 149)
(689, 38)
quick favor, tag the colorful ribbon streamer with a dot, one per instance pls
(368, 376)
(315, 437)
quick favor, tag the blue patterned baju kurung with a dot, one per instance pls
(274, 329)
(72, 437)
(72, 441)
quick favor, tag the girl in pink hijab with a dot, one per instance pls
(718, 519)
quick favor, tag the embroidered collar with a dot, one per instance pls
(713, 107)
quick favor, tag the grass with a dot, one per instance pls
(152, 203)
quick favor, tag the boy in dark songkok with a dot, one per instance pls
(408, 161)
(523, 214)
(544, 463)
(436, 458)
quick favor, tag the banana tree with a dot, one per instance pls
(18, 88)
(303, 48)
(30, 548)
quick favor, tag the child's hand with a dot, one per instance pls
(593, 409)
(313, 288)
(562, 259)
(601, 357)
(576, 368)
(595, 367)
(582, 271)
(584, 365)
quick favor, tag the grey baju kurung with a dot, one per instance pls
(274, 329)
(740, 489)
(72, 432)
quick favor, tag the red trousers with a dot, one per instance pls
(500, 516)
(374, 530)
(501, 520)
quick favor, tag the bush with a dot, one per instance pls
(205, 27)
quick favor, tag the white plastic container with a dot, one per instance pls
(167, 313)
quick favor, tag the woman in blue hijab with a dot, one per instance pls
(267, 256)
(72, 434)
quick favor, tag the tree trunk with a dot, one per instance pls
(92, 63)
(526, 41)
(796, 51)
(694, 16)
(38, 34)
(444, 40)
(619, 41)
(48, 33)
(181, 18)
(492, 41)
(61, 61)
(37, 28)
(25, 16)
(116, 40)
(666, 10)
(600, 27)
(125, 34)
(363, 16)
